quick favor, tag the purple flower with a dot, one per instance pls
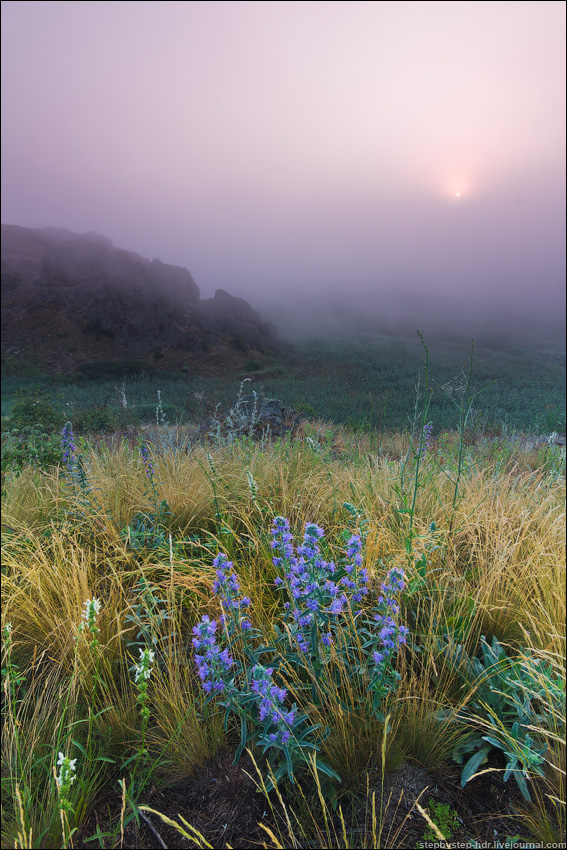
(144, 451)
(282, 537)
(212, 663)
(227, 587)
(69, 447)
(312, 531)
(425, 439)
(305, 619)
(270, 707)
(354, 546)
(336, 606)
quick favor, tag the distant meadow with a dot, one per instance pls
(369, 381)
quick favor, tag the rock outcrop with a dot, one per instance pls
(236, 318)
(253, 416)
(56, 280)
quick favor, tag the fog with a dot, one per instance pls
(397, 163)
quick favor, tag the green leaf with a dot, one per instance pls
(511, 766)
(131, 759)
(522, 785)
(472, 765)
(494, 741)
(328, 771)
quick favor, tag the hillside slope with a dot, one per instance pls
(70, 298)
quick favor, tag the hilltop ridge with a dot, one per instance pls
(68, 298)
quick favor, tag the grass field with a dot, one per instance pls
(413, 689)
(476, 525)
(369, 380)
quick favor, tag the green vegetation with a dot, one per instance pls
(425, 626)
(444, 818)
(369, 383)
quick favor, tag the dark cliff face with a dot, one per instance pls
(52, 276)
(235, 317)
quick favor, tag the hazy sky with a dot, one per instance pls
(289, 149)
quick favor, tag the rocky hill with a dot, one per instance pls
(71, 298)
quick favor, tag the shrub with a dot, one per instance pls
(34, 408)
(94, 326)
(513, 698)
(306, 409)
(239, 342)
(101, 419)
(253, 366)
(30, 447)
(147, 412)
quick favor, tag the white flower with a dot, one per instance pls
(65, 778)
(91, 612)
(144, 669)
(93, 608)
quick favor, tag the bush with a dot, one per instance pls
(253, 366)
(101, 419)
(94, 326)
(30, 446)
(306, 409)
(239, 342)
(34, 408)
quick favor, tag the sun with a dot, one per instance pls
(457, 194)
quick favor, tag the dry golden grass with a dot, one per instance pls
(499, 572)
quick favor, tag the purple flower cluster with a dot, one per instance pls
(316, 593)
(227, 587)
(390, 635)
(271, 699)
(145, 452)
(212, 663)
(69, 448)
(425, 438)
(359, 585)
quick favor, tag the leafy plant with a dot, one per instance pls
(100, 419)
(149, 617)
(307, 410)
(30, 446)
(35, 408)
(512, 698)
(445, 818)
(147, 529)
(253, 366)
(323, 617)
(239, 342)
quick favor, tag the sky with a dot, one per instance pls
(382, 157)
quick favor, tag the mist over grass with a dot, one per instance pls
(367, 381)
(506, 321)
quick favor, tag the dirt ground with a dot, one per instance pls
(222, 802)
